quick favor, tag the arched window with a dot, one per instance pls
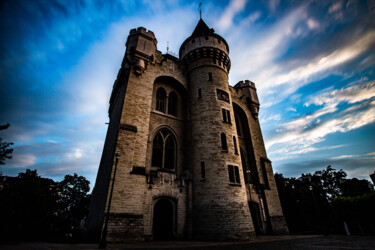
(224, 145)
(235, 145)
(173, 104)
(160, 100)
(164, 150)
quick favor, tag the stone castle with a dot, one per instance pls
(191, 161)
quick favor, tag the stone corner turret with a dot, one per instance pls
(140, 49)
(250, 93)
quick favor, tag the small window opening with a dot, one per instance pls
(226, 115)
(160, 100)
(210, 76)
(234, 174)
(206, 37)
(203, 170)
(235, 145)
(224, 145)
(193, 41)
(199, 93)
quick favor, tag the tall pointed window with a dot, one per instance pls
(173, 103)
(164, 150)
(160, 100)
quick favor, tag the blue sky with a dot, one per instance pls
(313, 63)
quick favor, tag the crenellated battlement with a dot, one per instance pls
(142, 30)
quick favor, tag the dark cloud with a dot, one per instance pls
(332, 33)
(354, 167)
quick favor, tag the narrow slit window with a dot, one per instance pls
(235, 145)
(228, 116)
(224, 145)
(237, 174)
(199, 93)
(203, 170)
(231, 173)
(160, 100)
(224, 114)
(210, 76)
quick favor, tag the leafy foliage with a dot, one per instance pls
(28, 203)
(5, 151)
(36, 208)
(307, 201)
(73, 200)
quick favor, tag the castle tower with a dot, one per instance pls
(184, 156)
(220, 200)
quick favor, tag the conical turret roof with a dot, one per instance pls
(201, 29)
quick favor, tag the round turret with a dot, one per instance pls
(219, 190)
(204, 43)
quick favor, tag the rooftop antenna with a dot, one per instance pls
(200, 10)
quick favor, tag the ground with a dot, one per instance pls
(264, 242)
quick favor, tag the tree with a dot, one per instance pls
(28, 205)
(73, 201)
(316, 203)
(330, 181)
(354, 187)
(5, 151)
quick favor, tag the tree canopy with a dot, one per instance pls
(36, 208)
(315, 202)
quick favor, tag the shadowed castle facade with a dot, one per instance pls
(192, 159)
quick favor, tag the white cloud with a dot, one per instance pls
(250, 19)
(226, 20)
(298, 136)
(275, 117)
(301, 75)
(273, 4)
(352, 94)
(255, 54)
(344, 157)
(335, 7)
(312, 23)
(22, 160)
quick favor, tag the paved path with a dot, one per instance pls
(264, 242)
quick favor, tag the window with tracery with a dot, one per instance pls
(164, 150)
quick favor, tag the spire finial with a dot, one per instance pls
(200, 10)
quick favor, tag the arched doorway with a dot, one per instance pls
(163, 220)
